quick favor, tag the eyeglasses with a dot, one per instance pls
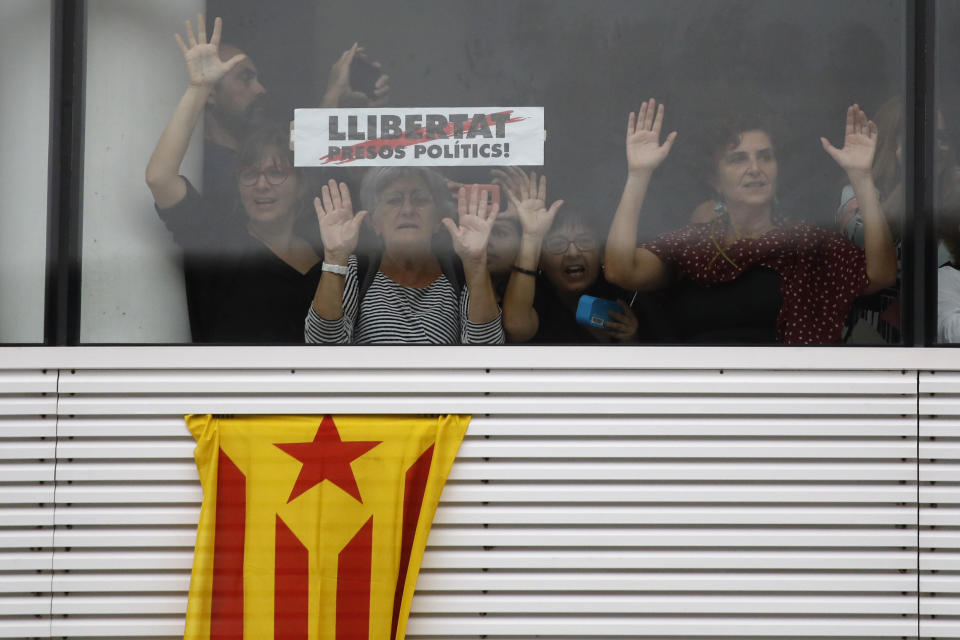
(418, 200)
(275, 174)
(559, 244)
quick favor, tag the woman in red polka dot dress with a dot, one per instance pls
(819, 272)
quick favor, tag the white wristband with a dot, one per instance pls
(339, 269)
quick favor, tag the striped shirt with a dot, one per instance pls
(393, 314)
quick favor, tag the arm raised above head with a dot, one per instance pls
(205, 69)
(627, 265)
(856, 158)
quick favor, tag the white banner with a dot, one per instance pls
(430, 136)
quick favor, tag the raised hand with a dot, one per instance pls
(644, 151)
(529, 198)
(202, 57)
(472, 232)
(339, 228)
(859, 143)
(340, 93)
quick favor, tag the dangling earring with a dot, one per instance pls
(719, 205)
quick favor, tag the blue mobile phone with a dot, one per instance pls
(595, 312)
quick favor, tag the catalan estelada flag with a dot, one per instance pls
(314, 527)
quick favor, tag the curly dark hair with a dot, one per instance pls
(717, 135)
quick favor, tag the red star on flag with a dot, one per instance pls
(327, 457)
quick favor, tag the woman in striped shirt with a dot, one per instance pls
(412, 292)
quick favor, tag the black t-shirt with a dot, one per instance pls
(742, 311)
(241, 292)
(558, 324)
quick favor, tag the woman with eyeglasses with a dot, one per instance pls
(560, 245)
(418, 287)
(251, 274)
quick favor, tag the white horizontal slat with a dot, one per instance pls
(24, 405)
(534, 448)
(25, 583)
(940, 517)
(472, 491)
(143, 470)
(123, 427)
(26, 560)
(121, 582)
(939, 428)
(667, 537)
(543, 515)
(499, 380)
(28, 427)
(533, 537)
(130, 560)
(28, 493)
(939, 406)
(128, 515)
(384, 403)
(940, 494)
(940, 538)
(591, 603)
(116, 626)
(25, 538)
(100, 537)
(940, 450)
(429, 626)
(556, 426)
(458, 626)
(467, 469)
(26, 516)
(130, 605)
(27, 449)
(519, 581)
(631, 514)
(939, 472)
(708, 471)
(638, 492)
(700, 559)
(938, 381)
(444, 558)
(930, 606)
(25, 605)
(33, 471)
(665, 448)
(940, 583)
(127, 449)
(940, 628)
(111, 494)
(24, 628)
(548, 603)
(770, 426)
(23, 381)
(939, 560)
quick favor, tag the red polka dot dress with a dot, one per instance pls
(821, 272)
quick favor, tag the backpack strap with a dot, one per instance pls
(367, 266)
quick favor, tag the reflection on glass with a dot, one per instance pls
(946, 174)
(717, 252)
(25, 69)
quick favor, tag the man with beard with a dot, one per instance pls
(235, 106)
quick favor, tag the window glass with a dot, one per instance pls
(744, 228)
(24, 119)
(946, 173)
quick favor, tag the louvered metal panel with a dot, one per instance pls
(939, 495)
(619, 502)
(27, 467)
